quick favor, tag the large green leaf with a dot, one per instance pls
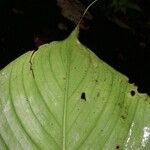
(64, 97)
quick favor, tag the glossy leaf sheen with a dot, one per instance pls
(64, 97)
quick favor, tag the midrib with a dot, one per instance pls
(65, 101)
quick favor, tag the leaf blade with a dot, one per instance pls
(65, 97)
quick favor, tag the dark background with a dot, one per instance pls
(26, 24)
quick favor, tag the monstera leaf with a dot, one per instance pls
(63, 97)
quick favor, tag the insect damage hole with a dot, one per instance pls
(83, 96)
(117, 147)
(132, 93)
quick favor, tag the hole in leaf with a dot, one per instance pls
(83, 96)
(132, 93)
(140, 89)
(117, 147)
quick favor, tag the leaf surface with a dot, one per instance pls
(64, 97)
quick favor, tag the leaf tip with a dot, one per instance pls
(75, 33)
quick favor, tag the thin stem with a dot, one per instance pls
(86, 11)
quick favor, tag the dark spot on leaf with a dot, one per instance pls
(96, 81)
(83, 96)
(98, 94)
(123, 117)
(120, 105)
(132, 93)
(117, 147)
(64, 78)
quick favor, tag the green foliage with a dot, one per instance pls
(64, 97)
